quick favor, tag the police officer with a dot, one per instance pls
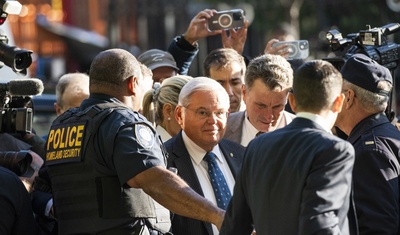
(107, 163)
(367, 86)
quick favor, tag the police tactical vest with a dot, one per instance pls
(88, 200)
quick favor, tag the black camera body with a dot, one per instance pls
(16, 120)
(15, 114)
(224, 20)
(371, 42)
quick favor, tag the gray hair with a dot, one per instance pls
(370, 101)
(274, 70)
(202, 84)
(64, 82)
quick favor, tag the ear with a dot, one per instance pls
(244, 93)
(349, 99)
(167, 110)
(132, 84)
(179, 115)
(338, 103)
(292, 102)
(58, 109)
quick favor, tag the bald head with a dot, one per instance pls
(71, 90)
(113, 67)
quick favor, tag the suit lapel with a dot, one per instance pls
(186, 170)
(184, 164)
(234, 126)
(233, 161)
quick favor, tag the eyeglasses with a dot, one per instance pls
(204, 114)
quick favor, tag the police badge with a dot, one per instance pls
(144, 136)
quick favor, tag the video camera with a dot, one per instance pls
(371, 42)
(15, 58)
(15, 114)
(17, 162)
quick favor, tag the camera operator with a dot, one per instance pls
(16, 215)
(18, 170)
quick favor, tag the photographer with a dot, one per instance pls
(16, 215)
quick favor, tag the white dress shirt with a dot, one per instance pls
(315, 118)
(201, 168)
(249, 132)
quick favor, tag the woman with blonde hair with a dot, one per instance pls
(159, 105)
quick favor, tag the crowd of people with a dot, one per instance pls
(247, 147)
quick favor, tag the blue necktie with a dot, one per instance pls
(218, 182)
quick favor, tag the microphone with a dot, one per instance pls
(23, 87)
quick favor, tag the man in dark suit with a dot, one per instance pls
(202, 113)
(268, 81)
(297, 179)
(367, 86)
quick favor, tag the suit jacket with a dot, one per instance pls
(235, 122)
(294, 180)
(180, 159)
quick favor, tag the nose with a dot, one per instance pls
(229, 89)
(212, 118)
(268, 114)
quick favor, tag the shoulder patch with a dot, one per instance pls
(144, 136)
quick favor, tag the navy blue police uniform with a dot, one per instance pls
(376, 174)
(377, 143)
(91, 153)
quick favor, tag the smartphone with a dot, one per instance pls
(298, 49)
(224, 20)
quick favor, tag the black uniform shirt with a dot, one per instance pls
(135, 148)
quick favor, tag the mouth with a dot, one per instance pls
(233, 102)
(269, 123)
(212, 131)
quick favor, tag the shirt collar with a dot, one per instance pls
(315, 118)
(163, 133)
(196, 152)
(251, 130)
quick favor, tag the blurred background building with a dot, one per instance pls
(65, 35)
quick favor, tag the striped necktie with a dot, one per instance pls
(218, 182)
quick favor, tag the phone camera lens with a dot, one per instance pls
(237, 16)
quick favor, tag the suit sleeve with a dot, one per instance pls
(238, 218)
(376, 192)
(326, 196)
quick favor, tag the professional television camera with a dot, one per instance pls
(372, 42)
(15, 114)
(15, 58)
